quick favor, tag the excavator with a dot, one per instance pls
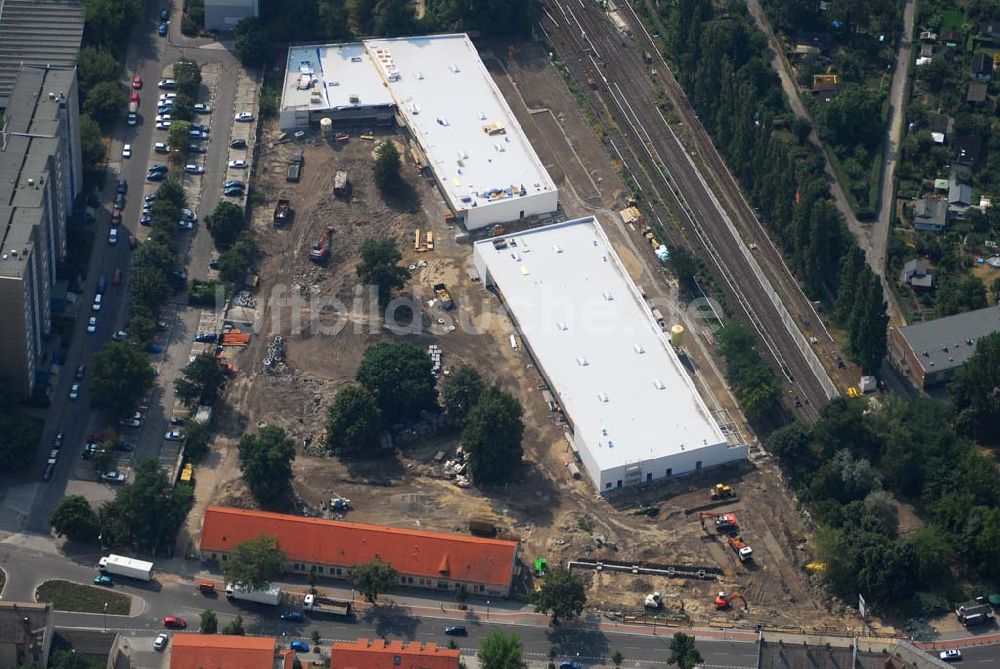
(723, 491)
(726, 601)
(725, 523)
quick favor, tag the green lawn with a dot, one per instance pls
(952, 19)
(66, 596)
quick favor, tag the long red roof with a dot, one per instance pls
(457, 557)
(395, 654)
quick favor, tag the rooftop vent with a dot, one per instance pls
(603, 397)
(639, 349)
(454, 68)
(582, 361)
(562, 326)
(557, 248)
(420, 75)
(607, 296)
(659, 384)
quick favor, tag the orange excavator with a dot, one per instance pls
(725, 523)
(726, 601)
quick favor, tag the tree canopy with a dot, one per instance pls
(226, 223)
(561, 593)
(399, 376)
(235, 627)
(266, 463)
(107, 22)
(460, 391)
(252, 45)
(104, 103)
(386, 168)
(501, 650)
(75, 519)
(209, 622)
(20, 434)
(492, 436)
(380, 267)
(975, 391)
(353, 419)
(373, 578)
(121, 376)
(682, 651)
(187, 74)
(95, 65)
(148, 513)
(255, 564)
(200, 380)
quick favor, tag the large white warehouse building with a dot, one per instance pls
(635, 414)
(438, 88)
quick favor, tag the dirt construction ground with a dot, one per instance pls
(325, 331)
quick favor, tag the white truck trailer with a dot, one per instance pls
(315, 604)
(120, 565)
(271, 596)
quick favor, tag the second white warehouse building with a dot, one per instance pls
(635, 414)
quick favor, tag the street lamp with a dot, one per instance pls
(105, 616)
(487, 610)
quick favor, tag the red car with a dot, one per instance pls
(116, 277)
(116, 217)
(174, 622)
(137, 82)
(135, 96)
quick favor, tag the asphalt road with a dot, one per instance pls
(148, 55)
(629, 93)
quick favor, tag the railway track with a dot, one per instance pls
(626, 104)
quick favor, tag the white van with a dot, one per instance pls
(97, 302)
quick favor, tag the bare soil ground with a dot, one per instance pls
(312, 308)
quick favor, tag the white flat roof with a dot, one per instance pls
(342, 75)
(441, 88)
(619, 380)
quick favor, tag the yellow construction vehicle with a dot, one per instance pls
(722, 491)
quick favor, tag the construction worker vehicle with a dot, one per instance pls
(726, 601)
(723, 491)
(724, 522)
(741, 548)
(654, 601)
(321, 249)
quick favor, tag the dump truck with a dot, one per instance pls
(321, 249)
(444, 297)
(316, 604)
(741, 548)
(282, 212)
(120, 565)
(271, 596)
(341, 184)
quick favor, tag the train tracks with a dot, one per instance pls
(625, 102)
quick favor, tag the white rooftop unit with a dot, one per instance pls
(635, 412)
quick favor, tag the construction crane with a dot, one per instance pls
(724, 523)
(725, 601)
(723, 491)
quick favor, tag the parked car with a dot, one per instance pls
(233, 182)
(197, 148)
(185, 225)
(134, 97)
(188, 215)
(74, 391)
(47, 472)
(103, 579)
(89, 450)
(149, 197)
(113, 236)
(113, 477)
(174, 622)
(164, 117)
(197, 134)
(174, 435)
(145, 219)
(119, 202)
(53, 456)
(570, 664)
(292, 616)
(122, 187)
(299, 646)
(132, 118)
(123, 446)
(167, 84)
(136, 82)
(233, 192)
(167, 96)
(202, 108)
(161, 641)
(127, 151)
(96, 306)
(158, 167)
(121, 335)
(238, 164)
(116, 277)
(164, 125)
(244, 117)
(102, 284)
(950, 655)
(194, 169)
(156, 176)
(161, 29)
(92, 325)
(81, 371)
(58, 441)
(164, 14)
(130, 422)
(201, 126)
(455, 630)
(205, 337)
(238, 143)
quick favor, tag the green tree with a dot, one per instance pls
(209, 622)
(387, 167)
(682, 651)
(235, 627)
(332, 17)
(183, 109)
(399, 375)
(975, 390)
(196, 438)
(75, 519)
(95, 65)
(266, 463)
(460, 391)
(353, 419)
(92, 149)
(178, 139)
(69, 659)
(251, 42)
(617, 658)
(201, 380)
(380, 267)
(372, 578)
(226, 223)
(685, 268)
(121, 376)
(492, 437)
(148, 513)
(255, 564)
(501, 650)
(107, 22)
(187, 74)
(360, 14)
(105, 102)
(19, 435)
(394, 18)
(562, 593)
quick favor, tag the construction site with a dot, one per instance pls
(727, 544)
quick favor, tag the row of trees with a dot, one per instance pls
(237, 248)
(144, 515)
(722, 63)
(19, 435)
(757, 388)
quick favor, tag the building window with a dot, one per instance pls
(607, 485)
(697, 465)
(649, 476)
(443, 585)
(339, 572)
(670, 471)
(319, 569)
(397, 660)
(619, 483)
